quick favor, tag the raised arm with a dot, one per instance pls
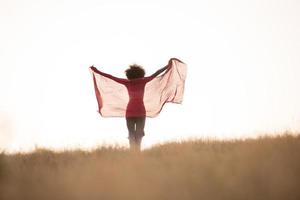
(119, 80)
(159, 71)
(166, 67)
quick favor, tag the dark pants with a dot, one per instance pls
(135, 127)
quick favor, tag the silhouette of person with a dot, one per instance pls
(135, 110)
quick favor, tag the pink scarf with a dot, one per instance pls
(145, 96)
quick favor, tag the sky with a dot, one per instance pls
(243, 63)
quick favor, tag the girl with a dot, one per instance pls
(106, 89)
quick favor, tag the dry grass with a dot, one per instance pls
(265, 168)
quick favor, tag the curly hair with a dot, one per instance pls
(135, 71)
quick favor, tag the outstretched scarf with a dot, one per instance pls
(138, 97)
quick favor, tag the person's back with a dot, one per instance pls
(136, 88)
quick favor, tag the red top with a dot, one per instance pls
(136, 90)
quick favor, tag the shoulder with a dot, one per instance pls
(147, 78)
(141, 80)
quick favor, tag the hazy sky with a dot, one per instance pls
(243, 68)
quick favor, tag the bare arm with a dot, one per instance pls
(119, 80)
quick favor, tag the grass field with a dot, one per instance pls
(264, 168)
